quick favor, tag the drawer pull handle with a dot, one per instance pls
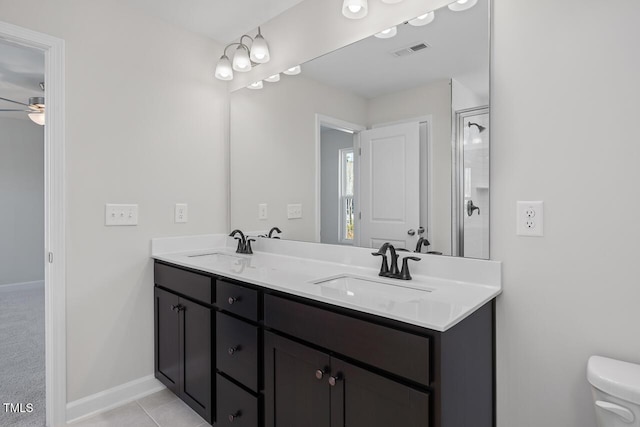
(320, 373)
(334, 379)
(232, 417)
(233, 350)
(233, 300)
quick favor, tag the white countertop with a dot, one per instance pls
(432, 302)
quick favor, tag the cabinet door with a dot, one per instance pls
(167, 339)
(197, 374)
(361, 398)
(296, 389)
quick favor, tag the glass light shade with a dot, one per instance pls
(388, 33)
(273, 79)
(421, 20)
(241, 61)
(461, 5)
(293, 71)
(37, 118)
(256, 85)
(355, 9)
(260, 50)
(391, 1)
(223, 69)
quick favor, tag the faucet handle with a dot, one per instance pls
(404, 274)
(247, 246)
(241, 245)
(384, 267)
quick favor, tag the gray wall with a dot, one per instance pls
(331, 142)
(21, 201)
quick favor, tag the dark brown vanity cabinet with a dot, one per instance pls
(184, 337)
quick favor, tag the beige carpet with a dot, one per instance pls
(22, 359)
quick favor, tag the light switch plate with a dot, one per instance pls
(530, 218)
(181, 213)
(294, 211)
(118, 214)
(262, 211)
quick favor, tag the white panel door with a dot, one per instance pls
(389, 185)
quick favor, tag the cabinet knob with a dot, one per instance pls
(334, 379)
(233, 350)
(320, 373)
(177, 307)
(233, 300)
(233, 417)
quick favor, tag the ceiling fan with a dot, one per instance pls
(35, 107)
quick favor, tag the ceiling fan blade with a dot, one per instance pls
(15, 102)
(23, 111)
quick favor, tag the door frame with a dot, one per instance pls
(54, 214)
(457, 193)
(341, 125)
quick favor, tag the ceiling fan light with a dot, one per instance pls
(260, 50)
(388, 33)
(256, 85)
(37, 118)
(421, 20)
(355, 9)
(293, 71)
(223, 69)
(391, 1)
(273, 79)
(241, 61)
(461, 5)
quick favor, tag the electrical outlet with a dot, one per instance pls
(115, 214)
(262, 211)
(530, 219)
(294, 211)
(181, 213)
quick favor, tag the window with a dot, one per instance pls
(346, 195)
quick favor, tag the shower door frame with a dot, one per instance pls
(457, 196)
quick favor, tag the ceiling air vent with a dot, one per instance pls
(405, 51)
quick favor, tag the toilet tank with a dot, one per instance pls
(616, 391)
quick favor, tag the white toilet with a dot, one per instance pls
(616, 391)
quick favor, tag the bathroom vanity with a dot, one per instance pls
(255, 340)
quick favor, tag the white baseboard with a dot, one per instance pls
(112, 398)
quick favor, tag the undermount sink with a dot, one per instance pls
(352, 284)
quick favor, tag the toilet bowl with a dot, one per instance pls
(616, 391)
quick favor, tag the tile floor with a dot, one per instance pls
(161, 409)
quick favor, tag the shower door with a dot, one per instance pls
(471, 192)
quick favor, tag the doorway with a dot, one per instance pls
(53, 253)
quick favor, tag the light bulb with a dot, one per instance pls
(461, 5)
(37, 118)
(255, 85)
(223, 69)
(260, 50)
(388, 33)
(421, 20)
(293, 71)
(273, 79)
(355, 9)
(241, 61)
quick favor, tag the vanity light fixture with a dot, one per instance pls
(273, 79)
(391, 1)
(461, 5)
(421, 20)
(256, 85)
(244, 58)
(388, 33)
(293, 71)
(355, 9)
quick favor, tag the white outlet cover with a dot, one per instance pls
(181, 213)
(530, 218)
(294, 211)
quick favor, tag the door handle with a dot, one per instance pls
(420, 230)
(411, 232)
(471, 207)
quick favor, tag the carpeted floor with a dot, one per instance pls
(22, 360)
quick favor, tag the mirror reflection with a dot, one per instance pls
(384, 140)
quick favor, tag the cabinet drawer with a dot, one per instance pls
(237, 350)
(237, 299)
(192, 285)
(236, 407)
(398, 352)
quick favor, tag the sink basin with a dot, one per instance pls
(351, 283)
